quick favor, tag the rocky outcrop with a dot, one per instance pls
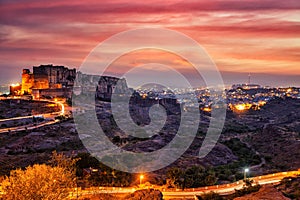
(266, 193)
(147, 194)
(108, 85)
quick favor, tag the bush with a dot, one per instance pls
(3, 125)
(105, 175)
(245, 154)
(37, 182)
(246, 190)
(193, 177)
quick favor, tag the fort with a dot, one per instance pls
(48, 80)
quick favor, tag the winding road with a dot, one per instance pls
(191, 192)
(49, 118)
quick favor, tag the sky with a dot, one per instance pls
(241, 37)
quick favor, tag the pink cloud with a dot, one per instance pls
(244, 34)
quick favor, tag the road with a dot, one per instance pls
(49, 118)
(28, 127)
(191, 192)
(230, 188)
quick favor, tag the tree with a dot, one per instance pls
(198, 176)
(105, 176)
(67, 163)
(41, 181)
(175, 177)
(37, 182)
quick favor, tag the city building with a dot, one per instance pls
(245, 86)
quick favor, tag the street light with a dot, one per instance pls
(141, 178)
(245, 174)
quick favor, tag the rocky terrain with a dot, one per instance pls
(17, 108)
(270, 134)
(278, 139)
(268, 192)
(28, 147)
(290, 187)
(144, 194)
(147, 194)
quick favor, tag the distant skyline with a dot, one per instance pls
(242, 37)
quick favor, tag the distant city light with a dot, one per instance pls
(240, 107)
(262, 103)
(15, 84)
(207, 109)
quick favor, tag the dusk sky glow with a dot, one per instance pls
(250, 36)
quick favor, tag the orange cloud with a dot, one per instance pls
(260, 36)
